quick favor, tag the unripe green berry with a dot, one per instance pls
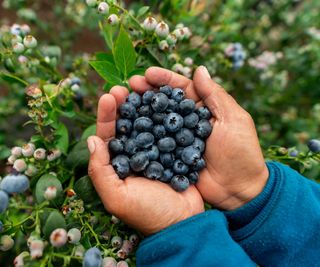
(74, 235)
(29, 41)
(6, 243)
(103, 8)
(113, 20)
(91, 3)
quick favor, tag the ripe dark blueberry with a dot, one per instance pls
(147, 96)
(186, 106)
(134, 99)
(172, 106)
(193, 177)
(191, 120)
(166, 144)
(167, 175)
(134, 134)
(139, 161)
(153, 153)
(190, 155)
(92, 258)
(179, 167)
(143, 124)
(145, 111)
(124, 126)
(154, 170)
(159, 102)
(166, 89)
(145, 140)
(127, 110)
(204, 113)
(199, 144)
(158, 118)
(167, 159)
(122, 138)
(116, 146)
(199, 165)
(177, 94)
(203, 129)
(121, 166)
(314, 145)
(178, 151)
(173, 122)
(131, 146)
(159, 131)
(184, 137)
(179, 183)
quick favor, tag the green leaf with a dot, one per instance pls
(79, 155)
(102, 56)
(44, 182)
(139, 71)
(55, 220)
(107, 71)
(85, 190)
(91, 130)
(124, 53)
(107, 32)
(12, 79)
(62, 138)
(4, 152)
(142, 11)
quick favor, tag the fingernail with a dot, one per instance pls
(205, 72)
(91, 144)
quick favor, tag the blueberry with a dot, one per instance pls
(314, 145)
(159, 102)
(139, 161)
(131, 146)
(153, 153)
(134, 99)
(204, 113)
(193, 177)
(177, 94)
(179, 183)
(167, 175)
(199, 165)
(144, 140)
(166, 144)
(1, 226)
(184, 137)
(159, 131)
(147, 96)
(186, 106)
(122, 138)
(167, 159)
(143, 124)
(124, 126)
(4, 200)
(145, 111)
(15, 183)
(190, 155)
(134, 134)
(294, 153)
(173, 122)
(178, 152)
(199, 144)
(191, 120)
(158, 118)
(166, 89)
(116, 242)
(121, 166)
(154, 170)
(116, 146)
(92, 258)
(179, 167)
(203, 128)
(127, 110)
(172, 106)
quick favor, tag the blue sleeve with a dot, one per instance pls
(202, 240)
(280, 227)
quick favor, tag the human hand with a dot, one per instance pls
(147, 205)
(235, 171)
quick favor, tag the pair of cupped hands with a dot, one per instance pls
(235, 170)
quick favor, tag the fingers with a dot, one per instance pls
(103, 176)
(107, 111)
(120, 93)
(139, 84)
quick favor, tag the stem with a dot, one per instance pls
(127, 13)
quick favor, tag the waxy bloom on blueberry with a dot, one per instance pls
(58, 237)
(29, 41)
(6, 243)
(74, 235)
(162, 29)
(113, 19)
(103, 8)
(314, 145)
(4, 200)
(14, 183)
(15, 29)
(20, 165)
(116, 242)
(150, 24)
(92, 258)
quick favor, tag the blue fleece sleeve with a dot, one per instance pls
(280, 227)
(202, 240)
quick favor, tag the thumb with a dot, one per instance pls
(213, 95)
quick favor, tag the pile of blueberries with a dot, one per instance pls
(161, 136)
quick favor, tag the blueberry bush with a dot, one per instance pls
(58, 57)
